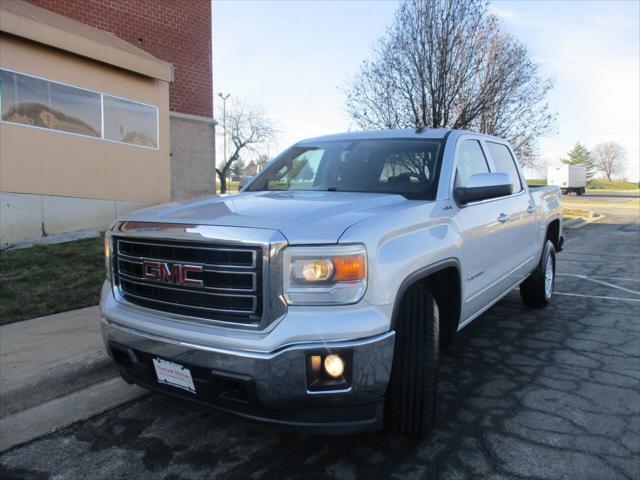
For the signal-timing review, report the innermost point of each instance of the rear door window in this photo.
(505, 163)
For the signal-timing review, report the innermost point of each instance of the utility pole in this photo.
(224, 123)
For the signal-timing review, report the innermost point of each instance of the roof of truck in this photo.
(436, 133)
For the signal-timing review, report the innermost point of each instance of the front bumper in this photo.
(270, 387)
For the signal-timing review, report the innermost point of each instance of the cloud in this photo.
(591, 50)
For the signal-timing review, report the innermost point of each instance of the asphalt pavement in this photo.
(604, 199)
(527, 394)
(608, 194)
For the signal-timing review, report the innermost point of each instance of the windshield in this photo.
(408, 167)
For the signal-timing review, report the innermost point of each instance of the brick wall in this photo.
(176, 31)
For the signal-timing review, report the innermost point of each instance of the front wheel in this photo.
(410, 404)
(536, 291)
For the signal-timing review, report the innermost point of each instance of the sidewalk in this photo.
(54, 372)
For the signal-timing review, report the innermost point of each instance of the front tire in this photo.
(537, 290)
(410, 405)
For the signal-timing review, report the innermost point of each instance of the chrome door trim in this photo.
(494, 301)
(485, 308)
(501, 279)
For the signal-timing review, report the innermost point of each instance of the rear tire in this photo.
(537, 290)
(410, 405)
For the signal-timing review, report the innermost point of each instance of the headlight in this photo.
(107, 253)
(331, 275)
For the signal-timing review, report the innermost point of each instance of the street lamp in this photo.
(224, 123)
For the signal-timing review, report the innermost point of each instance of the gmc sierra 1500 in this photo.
(319, 296)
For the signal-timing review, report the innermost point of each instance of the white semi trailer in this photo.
(570, 178)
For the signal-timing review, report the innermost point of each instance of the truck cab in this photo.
(317, 298)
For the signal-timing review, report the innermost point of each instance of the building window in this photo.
(130, 122)
(36, 102)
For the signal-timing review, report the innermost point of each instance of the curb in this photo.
(574, 223)
(56, 414)
(77, 374)
(54, 372)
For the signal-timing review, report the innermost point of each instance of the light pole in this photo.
(224, 123)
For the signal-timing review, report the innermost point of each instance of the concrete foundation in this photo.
(25, 217)
(192, 156)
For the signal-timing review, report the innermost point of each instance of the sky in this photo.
(294, 59)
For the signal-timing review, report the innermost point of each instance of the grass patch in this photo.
(232, 187)
(537, 182)
(600, 184)
(576, 212)
(47, 279)
(595, 184)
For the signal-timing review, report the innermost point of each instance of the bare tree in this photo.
(610, 159)
(448, 63)
(531, 164)
(247, 127)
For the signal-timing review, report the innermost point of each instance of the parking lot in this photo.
(546, 394)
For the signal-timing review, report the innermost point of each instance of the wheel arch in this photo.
(438, 278)
(553, 233)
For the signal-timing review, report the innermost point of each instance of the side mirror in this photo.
(482, 186)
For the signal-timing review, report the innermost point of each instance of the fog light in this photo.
(334, 365)
(316, 363)
(327, 371)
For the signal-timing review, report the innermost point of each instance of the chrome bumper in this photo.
(275, 382)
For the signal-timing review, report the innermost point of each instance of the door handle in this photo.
(531, 209)
(503, 218)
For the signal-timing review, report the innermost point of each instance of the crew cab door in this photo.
(520, 211)
(486, 237)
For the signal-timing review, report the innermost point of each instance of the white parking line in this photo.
(617, 279)
(594, 280)
(599, 254)
(598, 296)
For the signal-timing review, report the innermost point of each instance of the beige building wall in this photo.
(48, 162)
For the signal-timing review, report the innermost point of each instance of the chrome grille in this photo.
(229, 279)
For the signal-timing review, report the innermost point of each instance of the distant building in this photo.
(106, 106)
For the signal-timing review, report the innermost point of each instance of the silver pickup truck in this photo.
(319, 296)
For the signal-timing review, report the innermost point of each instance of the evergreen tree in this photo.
(579, 154)
(238, 167)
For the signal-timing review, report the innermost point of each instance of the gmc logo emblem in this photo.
(171, 273)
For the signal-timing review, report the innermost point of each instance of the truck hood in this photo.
(302, 217)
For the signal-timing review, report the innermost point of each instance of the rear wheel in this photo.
(536, 291)
(410, 405)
